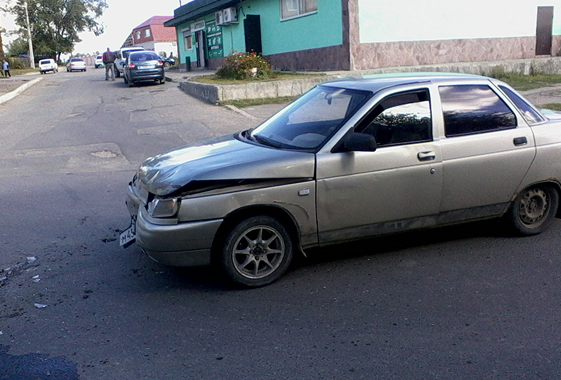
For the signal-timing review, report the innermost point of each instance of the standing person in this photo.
(7, 69)
(109, 61)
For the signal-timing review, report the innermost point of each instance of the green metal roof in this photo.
(198, 8)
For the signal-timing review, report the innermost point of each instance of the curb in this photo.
(215, 94)
(19, 90)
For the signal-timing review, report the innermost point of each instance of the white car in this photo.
(99, 61)
(122, 56)
(46, 65)
(76, 64)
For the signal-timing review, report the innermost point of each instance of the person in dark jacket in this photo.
(109, 61)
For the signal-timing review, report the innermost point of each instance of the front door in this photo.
(200, 38)
(395, 188)
(544, 30)
(252, 29)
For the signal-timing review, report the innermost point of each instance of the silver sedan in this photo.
(347, 160)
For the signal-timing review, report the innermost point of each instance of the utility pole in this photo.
(31, 56)
(1, 43)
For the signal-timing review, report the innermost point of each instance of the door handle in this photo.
(426, 156)
(520, 141)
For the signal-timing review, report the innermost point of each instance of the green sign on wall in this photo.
(214, 40)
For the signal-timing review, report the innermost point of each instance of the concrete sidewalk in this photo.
(13, 86)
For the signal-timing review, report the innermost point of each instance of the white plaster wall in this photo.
(414, 20)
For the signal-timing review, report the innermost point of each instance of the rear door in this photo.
(486, 151)
(394, 188)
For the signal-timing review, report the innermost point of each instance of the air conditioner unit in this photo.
(230, 15)
(219, 18)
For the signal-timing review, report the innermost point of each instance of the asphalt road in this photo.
(467, 302)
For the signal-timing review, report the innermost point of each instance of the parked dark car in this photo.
(143, 66)
(350, 159)
(168, 61)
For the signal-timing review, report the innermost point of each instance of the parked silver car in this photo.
(76, 64)
(347, 160)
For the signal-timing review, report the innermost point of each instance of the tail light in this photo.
(131, 66)
(160, 64)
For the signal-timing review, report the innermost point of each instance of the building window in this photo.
(296, 8)
(187, 39)
(147, 33)
(138, 34)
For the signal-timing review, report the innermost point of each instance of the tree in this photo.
(55, 24)
(17, 47)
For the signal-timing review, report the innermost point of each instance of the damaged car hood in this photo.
(227, 159)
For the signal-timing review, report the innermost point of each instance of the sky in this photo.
(119, 20)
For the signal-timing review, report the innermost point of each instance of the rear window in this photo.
(44, 62)
(144, 56)
(76, 59)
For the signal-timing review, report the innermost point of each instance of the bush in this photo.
(244, 66)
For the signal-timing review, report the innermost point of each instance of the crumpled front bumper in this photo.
(170, 242)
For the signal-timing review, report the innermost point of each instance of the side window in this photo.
(472, 109)
(400, 119)
(530, 114)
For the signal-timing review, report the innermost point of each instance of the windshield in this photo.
(311, 119)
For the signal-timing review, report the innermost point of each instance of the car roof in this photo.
(376, 82)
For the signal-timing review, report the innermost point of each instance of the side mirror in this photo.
(123, 64)
(357, 142)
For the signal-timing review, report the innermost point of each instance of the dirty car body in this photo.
(143, 66)
(350, 159)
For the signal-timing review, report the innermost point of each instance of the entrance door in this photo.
(200, 38)
(252, 29)
(544, 30)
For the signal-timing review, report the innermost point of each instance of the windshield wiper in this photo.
(267, 141)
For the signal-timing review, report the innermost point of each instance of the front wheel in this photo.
(534, 209)
(257, 251)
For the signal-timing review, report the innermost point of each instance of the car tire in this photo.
(117, 73)
(162, 81)
(167, 64)
(256, 251)
(533, 209)
(125, 79)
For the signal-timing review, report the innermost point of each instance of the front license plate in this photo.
(128, 236)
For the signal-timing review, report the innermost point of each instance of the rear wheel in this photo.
(257, 251)
(534, 209)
